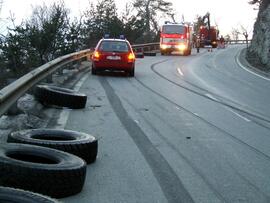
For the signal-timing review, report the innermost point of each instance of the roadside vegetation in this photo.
(50, 32)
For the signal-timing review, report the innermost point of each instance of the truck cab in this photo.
(175, 37)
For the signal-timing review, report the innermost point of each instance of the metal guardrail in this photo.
(155, 46)
(239, 41)
(11, 93)
(146, 47)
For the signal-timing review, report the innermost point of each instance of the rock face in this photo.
(258, 53)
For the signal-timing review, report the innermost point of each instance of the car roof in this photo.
(113, 40)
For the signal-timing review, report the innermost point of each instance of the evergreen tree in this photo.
(148, 11)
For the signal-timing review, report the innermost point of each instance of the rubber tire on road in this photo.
(18, 196)
(131, 73)
(80, 144)
(93, 71)
(52, 95)
(42, 170)
(187, 52)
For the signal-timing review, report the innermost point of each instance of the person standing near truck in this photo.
(221, 44)
(198, 43)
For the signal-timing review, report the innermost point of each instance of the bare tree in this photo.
(235, 33)
(245, 33)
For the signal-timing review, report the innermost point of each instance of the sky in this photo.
(226, 14)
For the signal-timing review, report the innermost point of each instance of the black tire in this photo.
(80, 144)
(187, 52)
(42, 170)
(18, 196)
(52, 95)
(94, 71)
(162, 52)
(131, 73)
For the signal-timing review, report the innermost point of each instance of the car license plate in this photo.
(114, 57)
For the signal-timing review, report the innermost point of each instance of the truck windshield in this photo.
(173, 29)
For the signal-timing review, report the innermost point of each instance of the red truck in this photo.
(175, 37)
(208, 36)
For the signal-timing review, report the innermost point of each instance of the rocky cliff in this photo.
(258, 53)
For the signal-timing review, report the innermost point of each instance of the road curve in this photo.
(185, 129)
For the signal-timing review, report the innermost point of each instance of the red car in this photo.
(114, 55)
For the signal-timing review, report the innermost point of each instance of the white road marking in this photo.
(180, 71)
(244, 118)
(246, 69)
(63, 117)
(80, 83)
(136, 121)
(211, 97)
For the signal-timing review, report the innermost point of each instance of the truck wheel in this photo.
(80, 144)
(42, 170)
(18, 196)
(52, 95)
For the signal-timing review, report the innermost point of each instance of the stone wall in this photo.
(259, 51)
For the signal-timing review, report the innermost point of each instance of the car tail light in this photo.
(96, 56)
(131, 57)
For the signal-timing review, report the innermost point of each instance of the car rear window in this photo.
(113, 46)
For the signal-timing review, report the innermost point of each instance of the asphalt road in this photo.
(185, 129)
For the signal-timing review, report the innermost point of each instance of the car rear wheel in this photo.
(93, 71)
(131, 73)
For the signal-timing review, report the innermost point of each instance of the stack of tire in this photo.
(51, 162)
